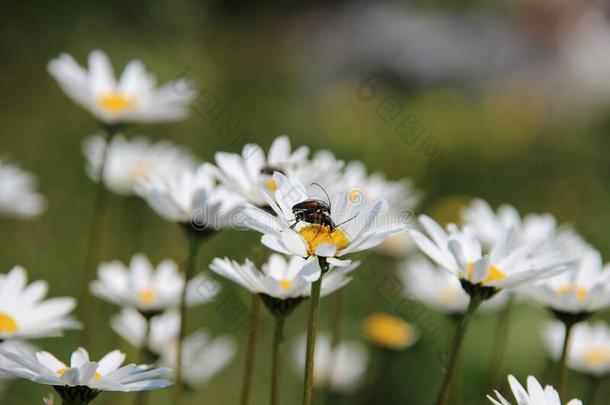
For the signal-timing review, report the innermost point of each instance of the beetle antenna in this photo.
(347, 220)
(327, 196)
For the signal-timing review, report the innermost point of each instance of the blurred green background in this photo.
(507, 136)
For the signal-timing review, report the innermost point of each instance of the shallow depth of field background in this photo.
(516, 93)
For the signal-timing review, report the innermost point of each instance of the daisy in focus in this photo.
(533, 395)
(581, 291)
(129, 162)
(439, 289)
(24, 314)
(203, 356)
(389, 332)
(589, 346)
(504, 266)
(134, 98)
(84, 379)
(18, 197)
(150, 290)
(330, 231)
(192, 198)
(339, 369)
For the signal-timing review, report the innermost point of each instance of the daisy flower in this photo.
(582, 290)
(534, 395)
(247, 173)
(192, 198)
(589, 346)
(439, 289)
(340, 369)
(357, 227)
(401, 196)
(389, 331)
(280, 277)
(18, 197)
(150, 290)
(129, 162)
(134, 98)
(506, 266)
(203, 357)
(84, 379)
(23, 312)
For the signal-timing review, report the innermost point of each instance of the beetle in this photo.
(316, 211)
(313, 211)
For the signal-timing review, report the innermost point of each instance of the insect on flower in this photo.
(315, 211)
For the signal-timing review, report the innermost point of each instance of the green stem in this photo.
(563, 369)
(255, 316)
(594, 384)
(191, 263)
(336, 317)
(312, 330)
(278, 340)
(94, 242)
(501, 342)
(443, 394)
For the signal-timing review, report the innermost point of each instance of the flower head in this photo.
(24, 313)
(439, 289)
(133, 98)
(192, 197)
(389, 331)
(147, 289)
(280, 277)
(534, 395)
(130, 162)
(589, 346)
(347, 227)
(583, 289)
(504, 266)
(17, 195)
(340, 368)
(83, 377)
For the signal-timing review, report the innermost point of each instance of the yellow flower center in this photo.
(147, 296)
(115, 102)
(7, 323)
(493, 273)
(285, 283)
(139, 171)
(271, 185)
(63, 370)
(581, 292)
(316, 235)
(597, 355)
(388, 331)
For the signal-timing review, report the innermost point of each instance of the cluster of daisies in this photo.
(314, 212)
